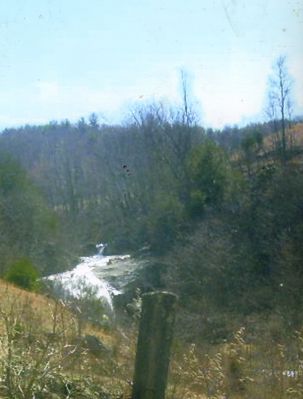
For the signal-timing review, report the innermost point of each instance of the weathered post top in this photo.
(153, 348)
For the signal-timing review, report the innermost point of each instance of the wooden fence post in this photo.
(153, 348)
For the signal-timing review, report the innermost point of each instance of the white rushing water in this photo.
(106, 276)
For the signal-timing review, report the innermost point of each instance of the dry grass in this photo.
(271, 145)
(243, 368)
(41, 351)
(294, 137)
(42, 309)
(297, 133)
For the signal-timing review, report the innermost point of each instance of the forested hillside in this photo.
(220, 210)
(114, 183)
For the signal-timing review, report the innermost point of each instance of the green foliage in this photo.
(209, 172)
(23, 274)
(29, 228)
(197, 202)
(12, 176)
(165, 223)
(252, 142)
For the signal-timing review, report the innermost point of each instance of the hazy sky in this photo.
(67, 58)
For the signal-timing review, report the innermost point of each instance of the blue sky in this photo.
(67, 58)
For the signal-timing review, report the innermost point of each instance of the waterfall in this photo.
(74, 283)
(105, 276)
(101, 247)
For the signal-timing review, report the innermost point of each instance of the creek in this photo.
(106, 276)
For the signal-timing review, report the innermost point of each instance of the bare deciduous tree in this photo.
(279, 99)
(189, 115)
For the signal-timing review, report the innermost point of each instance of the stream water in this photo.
(105, 276)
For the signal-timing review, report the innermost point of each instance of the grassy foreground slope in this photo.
(48, 353)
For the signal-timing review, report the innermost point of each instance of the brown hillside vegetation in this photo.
(43, 309)
(45, 353)
(294, 136)
(297, 131)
